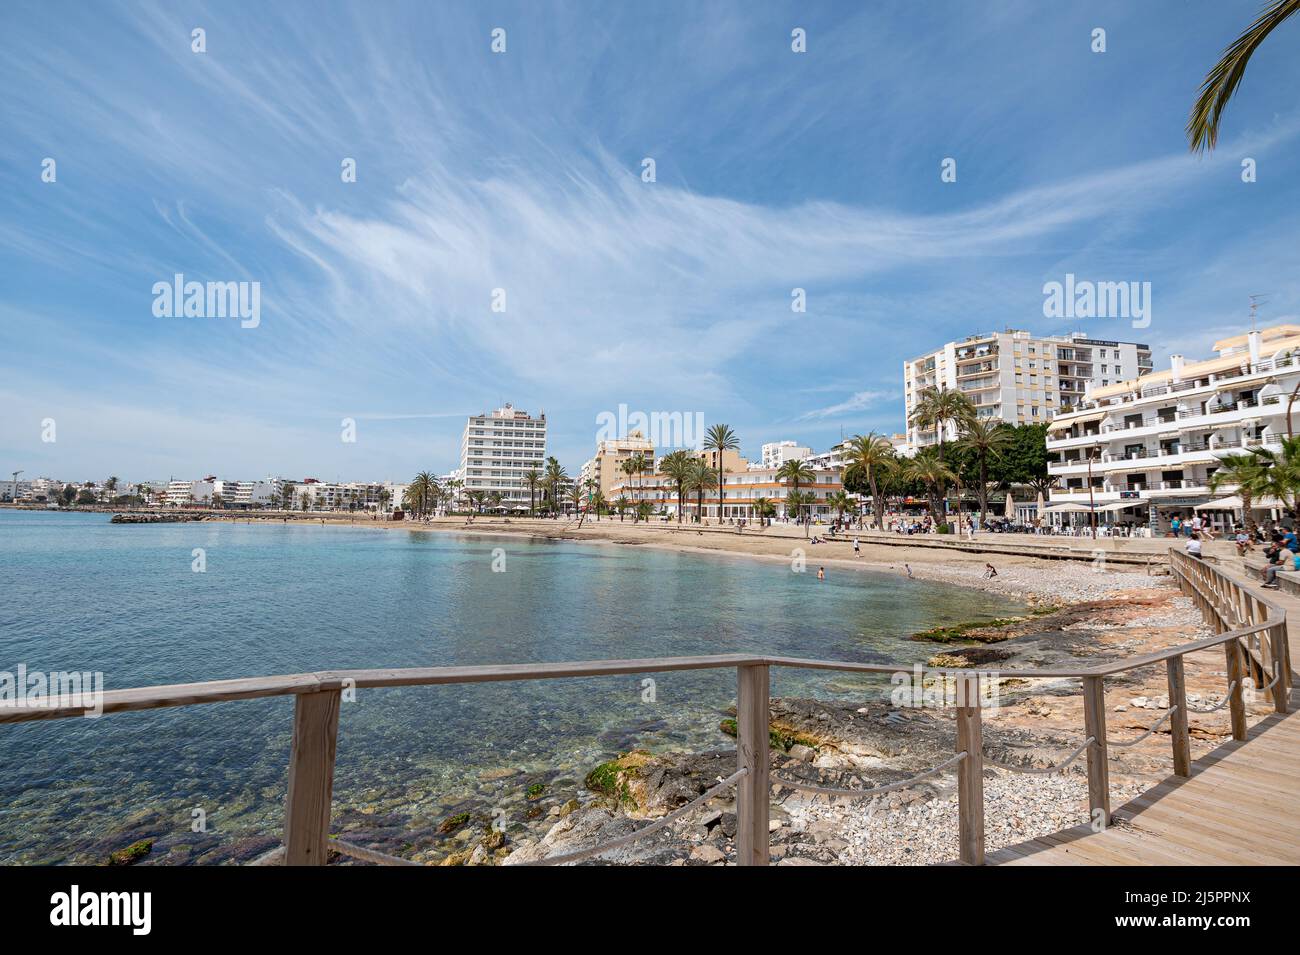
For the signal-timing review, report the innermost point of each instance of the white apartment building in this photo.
(248, 493)
(313, 495)
(1148, 445)
(776, 453)
(181, 493)
(1018, 377)
(498, 448)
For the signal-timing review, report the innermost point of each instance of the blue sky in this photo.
(522, 171)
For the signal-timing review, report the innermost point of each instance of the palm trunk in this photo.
(984, 489)
(877, 505)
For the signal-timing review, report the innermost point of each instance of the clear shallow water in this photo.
(77, 593)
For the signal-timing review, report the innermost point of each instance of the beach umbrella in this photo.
(1010, 511)
(1041, 505)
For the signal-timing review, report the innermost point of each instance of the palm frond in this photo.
(1222, 81)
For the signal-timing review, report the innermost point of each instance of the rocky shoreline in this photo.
(859, 745)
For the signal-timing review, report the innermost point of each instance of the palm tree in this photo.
(420, 492)
(494, 499)
(555, 478)
(763, 509)
(936, 408)
(1280, 473)
(703, 478)
(871, 456)
(1222, 81)
(1248, 474)
(795, 502)
(621, 504)
(679, 467)
(721, 438)
(110, 487)
(795, 472)
(643, 510)
(984, 438)
(842, 503)
(925, 466)
(532, 478)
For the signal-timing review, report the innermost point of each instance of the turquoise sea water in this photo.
(77, 593)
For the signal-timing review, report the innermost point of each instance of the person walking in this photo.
(857, 551)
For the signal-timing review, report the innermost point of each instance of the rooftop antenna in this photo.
(1255, 302)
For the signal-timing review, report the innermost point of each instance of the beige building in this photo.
(1017, 377)
(606, 467)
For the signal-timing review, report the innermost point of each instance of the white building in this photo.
(1143, 449)
(243, 494)
(776, 453)
(1018, 377)
(497, 449)
(182, 493)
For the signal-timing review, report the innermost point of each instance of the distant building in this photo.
(496, 451)
(1017, 377)
(605, 468)
(776, 453)
(183, 493)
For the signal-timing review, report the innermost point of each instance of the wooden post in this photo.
(970, 771)
(1178, 734)
(753, 799)
(1236, 678)
(1094, 725)
(311, 777)
(1277, 650)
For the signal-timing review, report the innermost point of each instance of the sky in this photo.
(523, 171)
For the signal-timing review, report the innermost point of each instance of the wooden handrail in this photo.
(1231, 609)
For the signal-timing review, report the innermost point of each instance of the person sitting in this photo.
(1193, 545)
(1274, 556)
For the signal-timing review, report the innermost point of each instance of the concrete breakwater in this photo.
(157, 518)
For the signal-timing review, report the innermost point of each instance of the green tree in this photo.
(703, 478)
(985, 439)
(719, 439)
(679, 468)
(532, 480)
(926, 468)
(869, 457)
(1248, 473)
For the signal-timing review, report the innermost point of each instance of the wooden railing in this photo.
(1251, 630)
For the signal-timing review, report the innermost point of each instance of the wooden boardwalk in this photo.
(1241, 806)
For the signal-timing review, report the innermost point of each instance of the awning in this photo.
(1234, 503)
(1061, 424)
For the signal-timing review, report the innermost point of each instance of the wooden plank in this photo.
(311, 777)
(970, 772)
(753, 796)
(1094, 725)
(1236, 675)
(1178, 735)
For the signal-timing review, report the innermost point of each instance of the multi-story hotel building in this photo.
(1148, 446)
(605, 468)
(1018, 377)
(497, 449)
